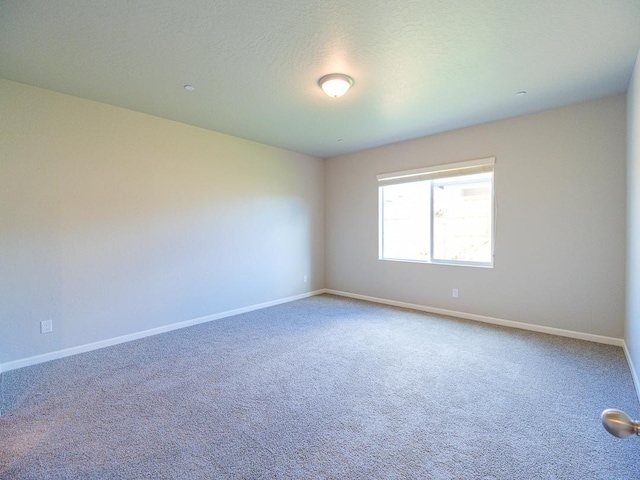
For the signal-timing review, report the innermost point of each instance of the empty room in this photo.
(362, 240)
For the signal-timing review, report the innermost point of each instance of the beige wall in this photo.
(632, 334)
(560, 229)
(113, 222)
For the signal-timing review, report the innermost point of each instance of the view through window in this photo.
(438, 214)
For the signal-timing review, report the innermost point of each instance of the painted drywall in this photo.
(560, 227)
(114, 222)
(632, 331)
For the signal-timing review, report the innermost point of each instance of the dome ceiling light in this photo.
(335, 84)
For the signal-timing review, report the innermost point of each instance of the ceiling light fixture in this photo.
(189, 88)
(335, 84)
(521, 94)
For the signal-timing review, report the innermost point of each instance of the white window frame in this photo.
(434, 172)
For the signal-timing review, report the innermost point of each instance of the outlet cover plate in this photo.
(46, 326)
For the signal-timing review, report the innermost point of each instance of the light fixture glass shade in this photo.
(335, 84)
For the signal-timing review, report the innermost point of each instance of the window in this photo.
(442, 214)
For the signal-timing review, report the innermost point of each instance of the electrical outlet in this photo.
(46, 326)
(454, 292)
(305, 279)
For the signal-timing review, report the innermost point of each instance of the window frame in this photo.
(434, 173)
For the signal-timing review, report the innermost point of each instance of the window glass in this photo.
(462, 219)
(406, 221)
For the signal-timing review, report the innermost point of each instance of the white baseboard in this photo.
(481, 318)
(634, 373)
(25, 362)
(618, 342)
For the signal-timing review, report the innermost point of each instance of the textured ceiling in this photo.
(420, 66)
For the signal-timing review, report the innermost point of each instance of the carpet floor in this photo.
(323, 388)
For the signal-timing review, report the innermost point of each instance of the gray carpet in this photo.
(323, 388)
